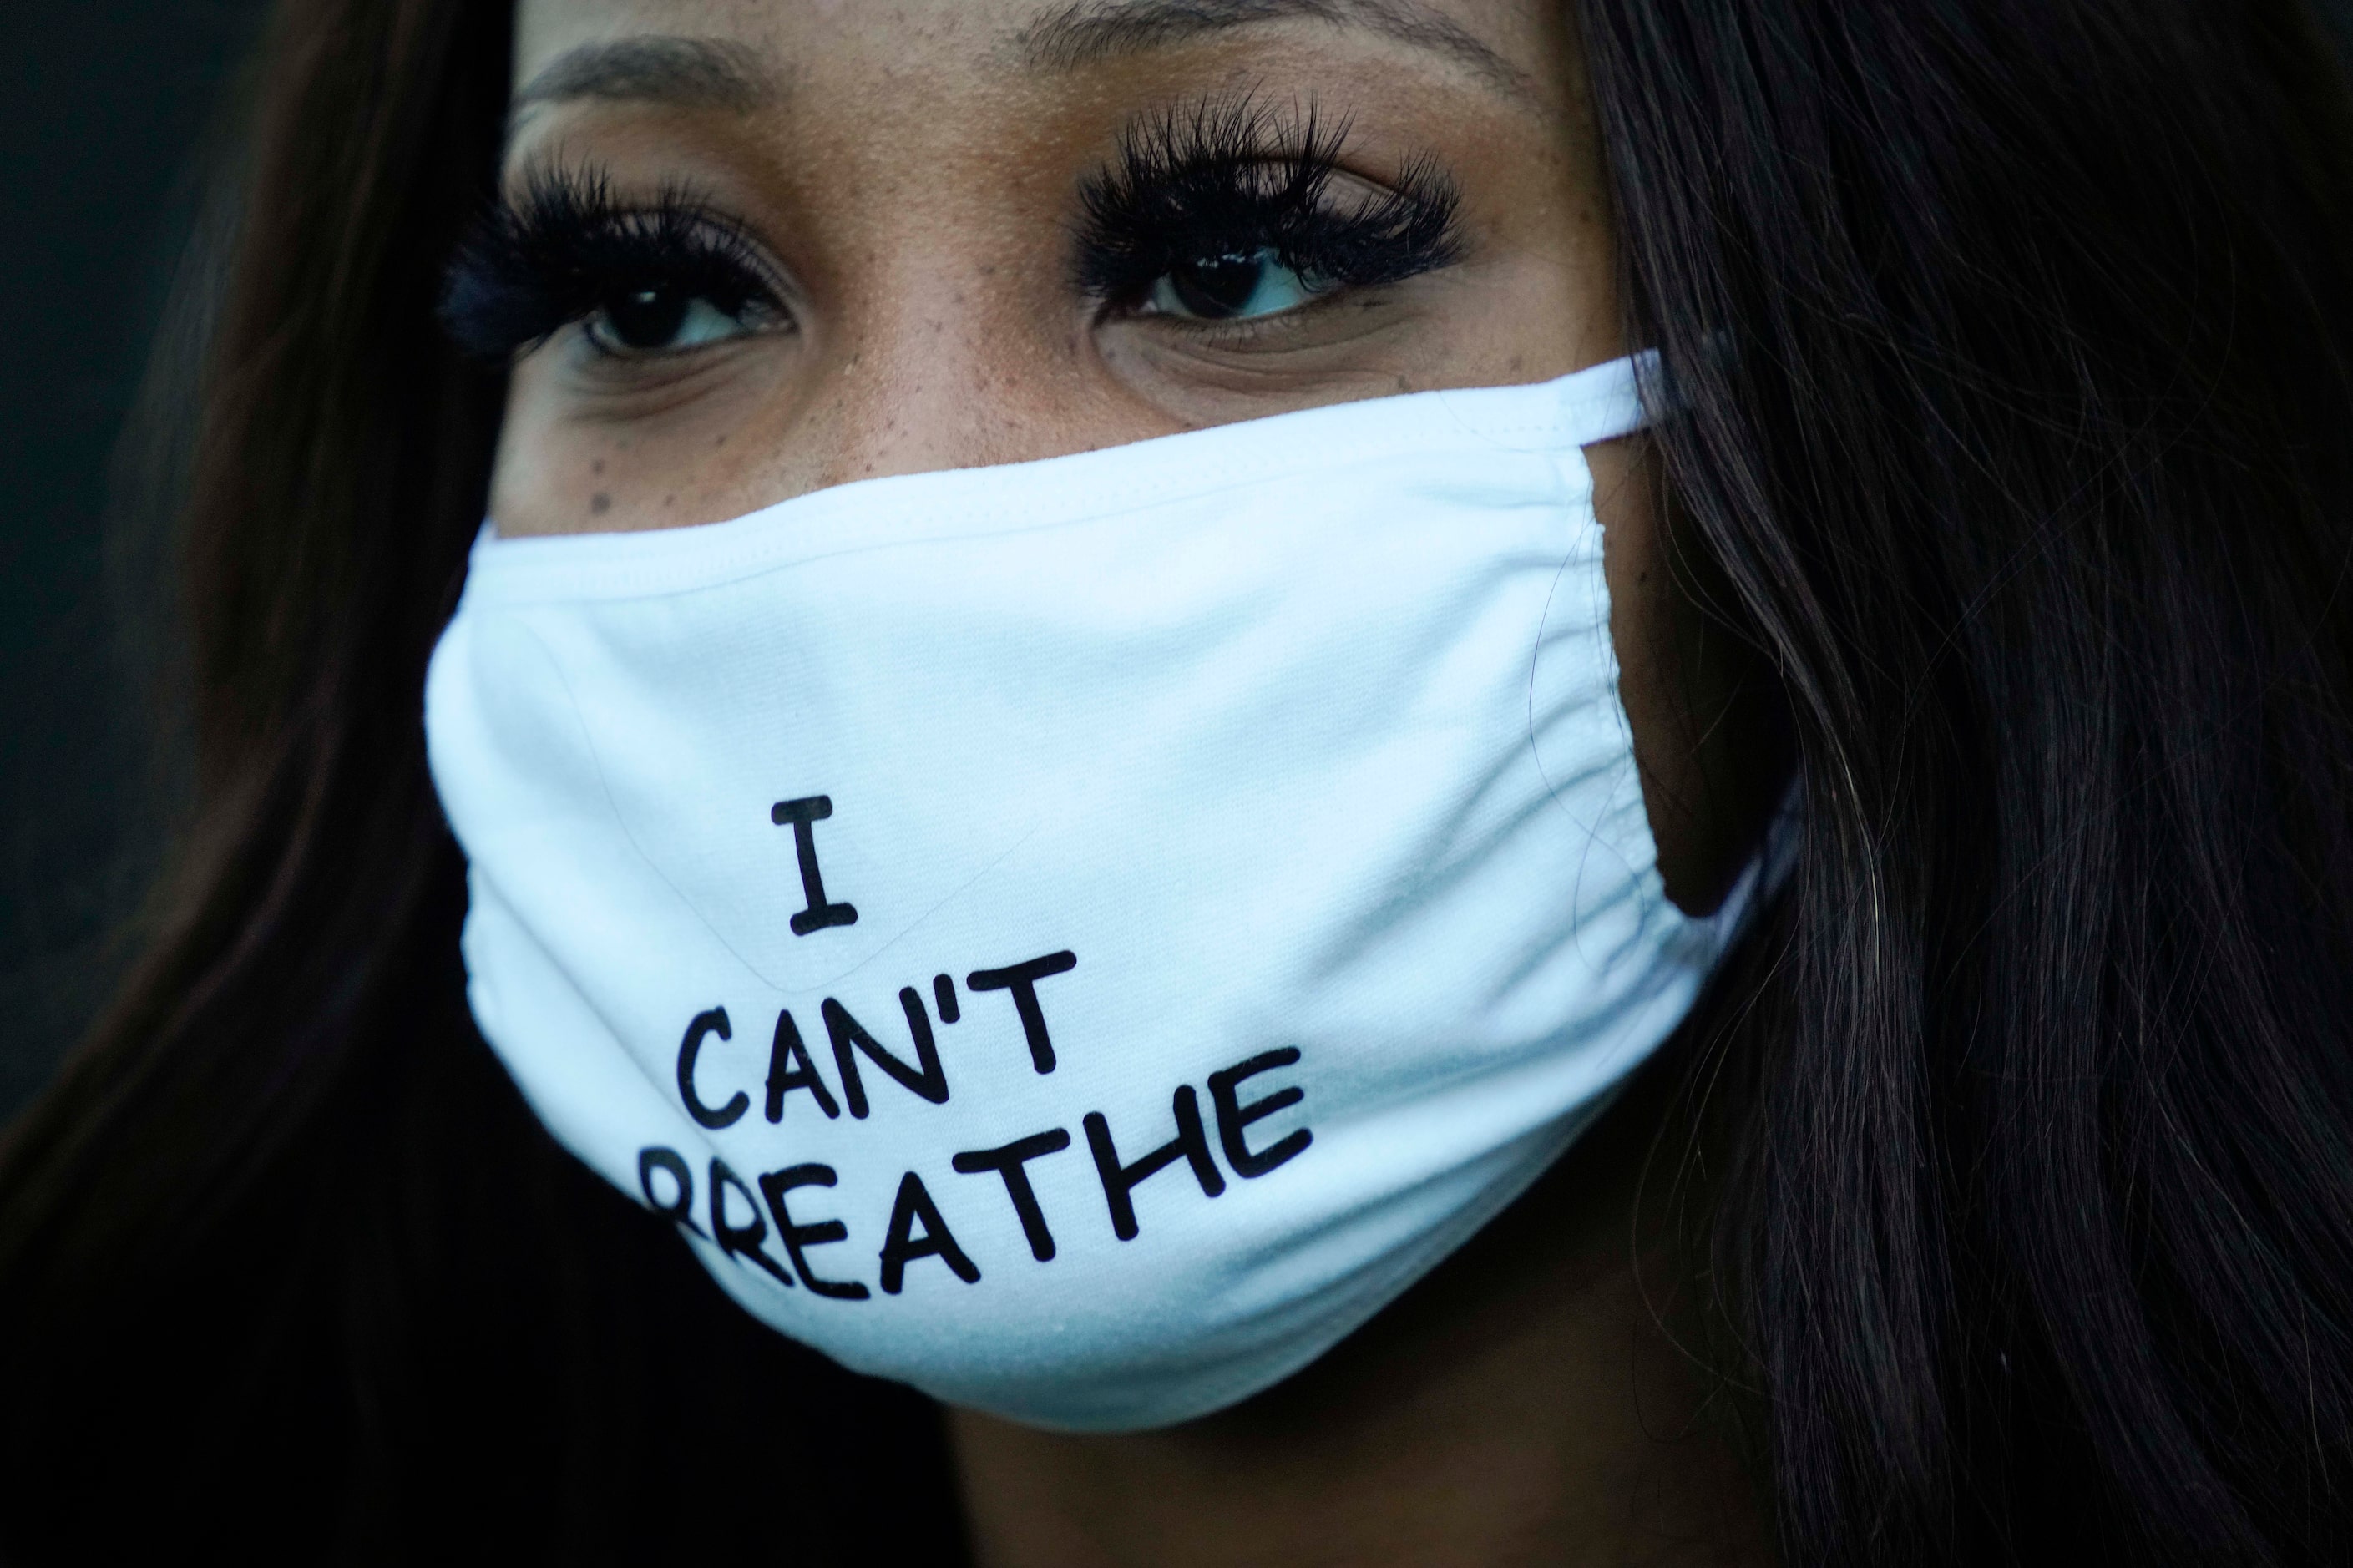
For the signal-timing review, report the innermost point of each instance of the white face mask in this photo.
(1079, 937)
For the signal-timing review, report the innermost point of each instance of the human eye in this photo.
(1237, 213)
(1236, 285)
(661, 278)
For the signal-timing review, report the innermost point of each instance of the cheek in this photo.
(1703, 703)
(1540, 296)
(1535, 313)
(700, 450)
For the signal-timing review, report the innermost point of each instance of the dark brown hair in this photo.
(287, 1269)
(2011, 346)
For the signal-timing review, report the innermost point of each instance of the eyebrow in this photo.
(1087, 31)
(679, 72)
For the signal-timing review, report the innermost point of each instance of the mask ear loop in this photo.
(1604, 402)
(1769, 869)
(1618, 398)
(1600, 403)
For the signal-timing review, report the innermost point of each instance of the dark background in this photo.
(107, 109)
(112, 109)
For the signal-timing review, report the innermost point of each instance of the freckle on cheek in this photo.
(600, 504)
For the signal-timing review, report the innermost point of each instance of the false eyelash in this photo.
(566, 246)
(1238, 178)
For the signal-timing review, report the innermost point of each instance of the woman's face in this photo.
(779, 246)
(831, 239)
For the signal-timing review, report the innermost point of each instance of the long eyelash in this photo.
(1238, 178)
(566, 246)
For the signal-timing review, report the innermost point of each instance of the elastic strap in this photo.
(1603, 402)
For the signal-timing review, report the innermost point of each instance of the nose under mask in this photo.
(1078, 937)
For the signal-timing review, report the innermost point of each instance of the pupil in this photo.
(1218, 286)
(646, 318)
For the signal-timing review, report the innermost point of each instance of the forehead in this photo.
(764, 47)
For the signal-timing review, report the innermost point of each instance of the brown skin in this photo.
(907, 169)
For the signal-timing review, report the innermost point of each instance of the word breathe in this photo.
(739, 1212)
(738, 1215)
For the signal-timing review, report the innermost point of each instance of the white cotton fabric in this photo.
(1295, 735)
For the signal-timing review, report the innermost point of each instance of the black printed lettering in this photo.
(789, 1068)
(1011, 1162)
(1234, 1118)
(928, 1079)
(902, 1246)
(1119, 1182)
(798, 1237)
(689, 1050)
(679, 1210)
(804, 815)
(943, 993)
(740, 1240)
(1021, 979)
